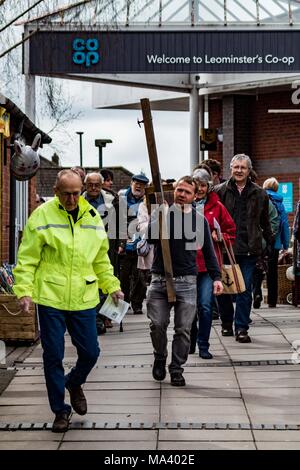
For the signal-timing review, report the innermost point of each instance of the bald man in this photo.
(62, 262)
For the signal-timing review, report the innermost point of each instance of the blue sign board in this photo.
(286, 191)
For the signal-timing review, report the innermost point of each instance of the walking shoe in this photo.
(159, 369)
(138, 312)
(227, 330)
(78, 400)
(61, 422)
(242, 337)
(177, 379)
(204, 354)
(256, 301)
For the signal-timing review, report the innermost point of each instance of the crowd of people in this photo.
(89, 242)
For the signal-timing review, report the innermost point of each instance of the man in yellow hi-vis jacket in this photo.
(62, 262)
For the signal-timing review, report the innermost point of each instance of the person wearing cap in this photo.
(221, 226)
(133, 280)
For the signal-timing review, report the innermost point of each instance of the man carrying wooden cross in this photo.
(187, 231)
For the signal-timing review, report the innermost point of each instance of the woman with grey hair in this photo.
(222, 227)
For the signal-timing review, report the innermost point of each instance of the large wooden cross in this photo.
(159, 195)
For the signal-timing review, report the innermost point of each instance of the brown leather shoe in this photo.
(242, 337)
(78, 400)
(61, 422)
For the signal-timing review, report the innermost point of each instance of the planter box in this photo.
(16, 326)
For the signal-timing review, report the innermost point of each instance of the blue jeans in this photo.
(81, 326)
(205, 304)
(243, 301)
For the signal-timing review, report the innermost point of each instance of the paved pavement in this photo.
(246, 397)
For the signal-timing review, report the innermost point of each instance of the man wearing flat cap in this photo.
(132, 279)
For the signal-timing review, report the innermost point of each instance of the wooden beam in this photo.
(156, 179)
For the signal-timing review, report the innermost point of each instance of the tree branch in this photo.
(20, 15)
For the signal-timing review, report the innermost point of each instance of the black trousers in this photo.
(133, 280)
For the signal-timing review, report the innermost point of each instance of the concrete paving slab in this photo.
(172, 445)
(201, 402)
(268, 383)
(125, 445)
(210, 394)
(34, 410)
(38, 379)
(30, 445)
(271, 396)
(278, 446)
(118, 386)
(277, 436)
(274, 418)
(14, 394)
(123, 417)
(110, 435)
(122, 395)
(205, 435)
(14, 436)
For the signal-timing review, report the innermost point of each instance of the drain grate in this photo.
(270, 362)
(100, 425)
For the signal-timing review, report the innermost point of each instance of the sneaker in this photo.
(61, 422)
(159, 369)
(227, 330)
(177, 379)
(78, 400)
(256, 301)
(242, 337)
(204, 354)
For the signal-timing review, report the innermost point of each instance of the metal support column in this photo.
(194, 127)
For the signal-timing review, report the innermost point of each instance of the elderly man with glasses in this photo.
(62, 262)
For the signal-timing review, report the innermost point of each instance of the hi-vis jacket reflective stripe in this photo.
(62, 264)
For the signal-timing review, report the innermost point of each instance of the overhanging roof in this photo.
(28, 125)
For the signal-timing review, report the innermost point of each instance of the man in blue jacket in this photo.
(133, 282)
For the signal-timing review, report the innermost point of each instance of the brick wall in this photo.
(5, 205)
(46, 176)
(271, 140)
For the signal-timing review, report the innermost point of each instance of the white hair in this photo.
(94, 173)
(239, 157)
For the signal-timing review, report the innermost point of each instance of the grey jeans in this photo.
(158, 311)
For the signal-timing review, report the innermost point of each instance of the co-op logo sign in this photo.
(85, 51)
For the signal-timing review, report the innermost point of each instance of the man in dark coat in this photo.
(248, 205)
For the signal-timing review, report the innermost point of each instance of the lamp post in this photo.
(80, 145)
(100, 143)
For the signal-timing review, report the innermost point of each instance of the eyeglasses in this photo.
(94, 185)
(74, 194)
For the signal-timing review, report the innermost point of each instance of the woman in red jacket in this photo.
(221, 226)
